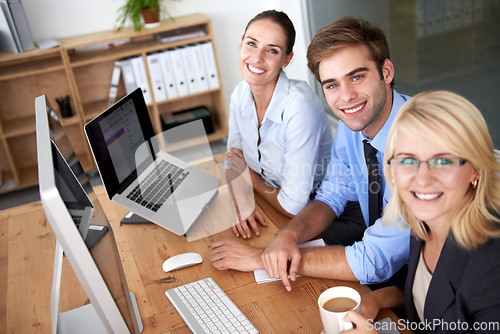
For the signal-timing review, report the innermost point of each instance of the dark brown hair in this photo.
(282, 20)
(346, 32)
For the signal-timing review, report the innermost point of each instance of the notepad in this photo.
(262, 277)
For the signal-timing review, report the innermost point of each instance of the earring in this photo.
(393, 181)
(474, 183)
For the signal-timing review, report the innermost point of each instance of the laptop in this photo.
(137, 176)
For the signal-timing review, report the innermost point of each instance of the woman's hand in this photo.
(253, 220)
(363, 325)
(242, 191)
(236, 160)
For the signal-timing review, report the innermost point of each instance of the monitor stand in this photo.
(84, 319)
(94, 234)
(132, 218)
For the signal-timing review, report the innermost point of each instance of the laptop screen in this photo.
(114, 137)
(122, 134)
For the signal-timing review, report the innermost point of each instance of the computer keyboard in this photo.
(206, 308)
(158, 185)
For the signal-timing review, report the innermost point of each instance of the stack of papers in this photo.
(262, 277)
(48, 43)
(180, 34)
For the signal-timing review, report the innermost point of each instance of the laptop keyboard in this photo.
(158, 185)
(206, 308)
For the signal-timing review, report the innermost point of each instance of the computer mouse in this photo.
(182, 260)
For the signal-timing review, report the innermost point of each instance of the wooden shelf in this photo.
(191, 96)
(19, 126)
(69, 121)
(6, 179)
(126, 50)
(12, 70)
(128, 32)
(9, 57)
(82, 68)
(28, 176)
(5, 165)
(91, 110)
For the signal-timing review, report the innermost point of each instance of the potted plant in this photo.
(133, 10)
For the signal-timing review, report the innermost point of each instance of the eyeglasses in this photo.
(410, 165)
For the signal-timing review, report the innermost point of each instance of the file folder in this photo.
(421, 24)
(210, 65)
(199, 67)
(180, 76)
(115, 79)
(128, 75)
(22, 27)
(141, 78)
(189, 70)
(466, 12)
(167, 72)
(7, 39)
(447, 15)
(159, 91)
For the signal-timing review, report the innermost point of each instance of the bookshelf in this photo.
(82, 68)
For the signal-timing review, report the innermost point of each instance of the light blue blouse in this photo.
(295, 139)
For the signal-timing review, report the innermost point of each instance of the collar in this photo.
(379, 141)
(279, 99)
(274, 111)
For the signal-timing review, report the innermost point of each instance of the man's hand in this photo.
(369, 305)
(374, 301)
(243, 229)
(276, 256)
(232, 254)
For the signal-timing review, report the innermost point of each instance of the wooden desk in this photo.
(26, 262)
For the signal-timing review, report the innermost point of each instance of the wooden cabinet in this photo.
(82, 68)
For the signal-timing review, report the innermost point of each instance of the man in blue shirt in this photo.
(350, 58)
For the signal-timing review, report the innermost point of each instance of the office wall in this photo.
(63, 18)
(435, 44)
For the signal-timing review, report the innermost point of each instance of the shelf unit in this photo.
(82, 68)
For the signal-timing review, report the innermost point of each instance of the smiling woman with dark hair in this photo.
(277, 126)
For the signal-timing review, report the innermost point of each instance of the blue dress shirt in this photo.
(384, 248)
(295, 139)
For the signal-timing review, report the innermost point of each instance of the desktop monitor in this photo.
(83, 235)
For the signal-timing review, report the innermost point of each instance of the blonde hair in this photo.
(451, 122)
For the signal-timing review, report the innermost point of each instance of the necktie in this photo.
(374, 177)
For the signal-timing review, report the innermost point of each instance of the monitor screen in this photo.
(81, 228)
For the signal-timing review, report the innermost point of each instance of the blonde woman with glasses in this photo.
(444, 176)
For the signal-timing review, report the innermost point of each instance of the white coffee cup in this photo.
(333, 321)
